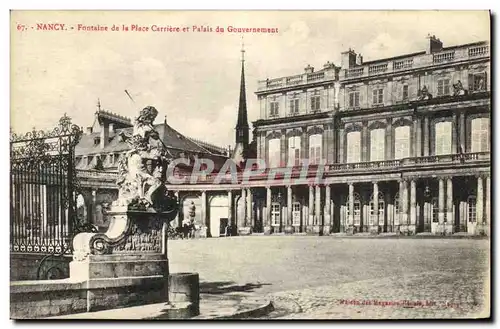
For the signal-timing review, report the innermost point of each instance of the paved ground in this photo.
(326, 277)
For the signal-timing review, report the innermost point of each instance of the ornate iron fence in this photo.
(43, 190)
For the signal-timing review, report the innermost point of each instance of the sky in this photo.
(193, 78)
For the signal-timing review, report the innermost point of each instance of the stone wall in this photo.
(25, 266)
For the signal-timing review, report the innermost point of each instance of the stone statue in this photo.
(423, 94)
(458, 89)
(141, 171)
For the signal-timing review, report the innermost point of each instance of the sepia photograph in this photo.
(250, 165)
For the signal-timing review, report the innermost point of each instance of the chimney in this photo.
(89, 130)
(348, 59)
(104, 134)
(359, 60)
(434, 44)
(309, 69)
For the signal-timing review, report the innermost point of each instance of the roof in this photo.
(170, 137)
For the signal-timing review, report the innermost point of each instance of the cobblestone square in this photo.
(342, 278)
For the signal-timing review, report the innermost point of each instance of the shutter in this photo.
(485, 82)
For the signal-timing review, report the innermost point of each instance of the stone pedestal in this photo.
(373, 229)
(128, 264)
(244, 230)
(202, 233)
(267, 230)
(288, 229)
(448, 229)
(412, 229)
(326, 230)
(316, 230)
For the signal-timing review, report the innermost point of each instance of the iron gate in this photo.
(43, 190)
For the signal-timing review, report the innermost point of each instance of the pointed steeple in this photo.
(242, 126)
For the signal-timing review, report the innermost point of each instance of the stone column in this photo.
(230, 220)
(267, 218)
(404, 208)
(350, 219)
(479, 206)
(426, 136)
(374, 219)
(412, 228)
(327, 211)
(340, 156)
(441, 205)
(249, 213)
(454, 124)
(317, 210)
(487, 206)
(398, 221)
(450, 221)
(418, 139)
(203, 229)
(310, 209)
(462, 131)
(288, 226)
(244, 227)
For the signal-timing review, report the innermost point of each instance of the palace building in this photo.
(401, 146)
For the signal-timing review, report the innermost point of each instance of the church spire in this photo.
(242, 123)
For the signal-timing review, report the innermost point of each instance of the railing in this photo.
(273, 83)
(351, 73)
(479, 51)
(295, 172)
(443, 57)
(315, 76)
(379, 68)
(294, 80)
(418, 61)
(96, 174)
(403, 64)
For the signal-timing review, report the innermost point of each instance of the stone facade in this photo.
(403, 146)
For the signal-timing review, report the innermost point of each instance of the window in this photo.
(402, 142)
(405, 93)
(294, 106)
(480, 135)
(378, 96)
(296, 214)
(443, 87)
(443, 138)
(274, 153)
(435, 210)
(377, 145)
(315, 101)
(471, 209)
(274, 109)
(354, 99)
(354, 147)
(275, 214)
(478, 81)
(315, 149)
(357, 210)
(97, 140)
(294, 151)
